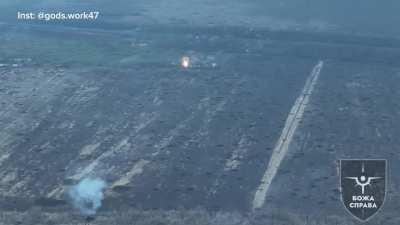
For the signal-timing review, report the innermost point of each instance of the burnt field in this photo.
(190, 145)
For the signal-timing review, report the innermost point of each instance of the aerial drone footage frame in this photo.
(199, 112)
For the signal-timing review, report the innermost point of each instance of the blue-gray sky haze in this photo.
(369, 17)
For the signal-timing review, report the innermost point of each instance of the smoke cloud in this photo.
(87, 195)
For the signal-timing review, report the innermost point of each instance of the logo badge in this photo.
(363, 186)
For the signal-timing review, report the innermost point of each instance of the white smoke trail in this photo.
(87, 195)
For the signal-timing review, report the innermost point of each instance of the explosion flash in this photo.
(185, 62)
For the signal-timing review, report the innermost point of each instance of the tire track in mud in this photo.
(282, 146)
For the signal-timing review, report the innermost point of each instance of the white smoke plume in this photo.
(87, 195)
